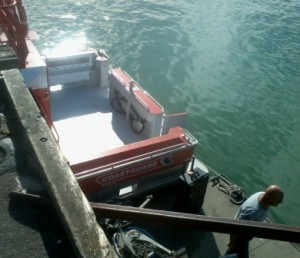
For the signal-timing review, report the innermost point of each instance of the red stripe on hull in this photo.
(134, 161)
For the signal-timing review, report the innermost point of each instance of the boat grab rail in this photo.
(146, 93)
(101, 53)
(3, 4)
(149, 96)
(144, 104)
(132, 92)
(130, 161)
(190, 138)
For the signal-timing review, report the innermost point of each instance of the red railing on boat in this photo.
(14, 28)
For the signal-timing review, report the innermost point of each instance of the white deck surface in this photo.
(86, 123)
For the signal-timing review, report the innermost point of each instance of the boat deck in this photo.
(86, 124)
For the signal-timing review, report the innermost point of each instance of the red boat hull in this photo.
(137, 163)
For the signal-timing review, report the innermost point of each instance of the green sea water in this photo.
(233, 65)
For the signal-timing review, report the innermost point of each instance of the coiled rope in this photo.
(236, 193)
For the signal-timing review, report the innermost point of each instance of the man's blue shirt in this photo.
(251, 209)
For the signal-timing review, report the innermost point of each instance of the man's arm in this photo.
(245, 214)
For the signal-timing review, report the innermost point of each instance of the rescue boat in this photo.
(116, 138)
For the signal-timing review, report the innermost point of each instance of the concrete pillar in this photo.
(77, 216)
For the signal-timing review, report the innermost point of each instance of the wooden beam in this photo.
(184, 220)
(200, 222)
